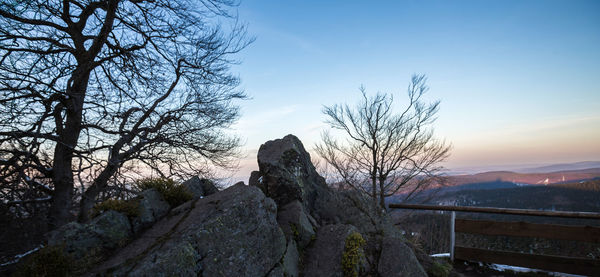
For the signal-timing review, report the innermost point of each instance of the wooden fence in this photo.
(582, 266)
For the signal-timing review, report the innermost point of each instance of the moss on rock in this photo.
(352, 254)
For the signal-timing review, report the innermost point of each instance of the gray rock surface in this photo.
(152, 207)
(276, 272)
(230, 233)
(93, 241)
(290, 260)
(324, 256)
(397, 259)
(295, 223)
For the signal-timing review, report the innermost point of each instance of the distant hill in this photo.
(561, 167)
(584, 196)
(576, 196)
(526, 178)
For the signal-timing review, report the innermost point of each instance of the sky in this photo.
(518, 81)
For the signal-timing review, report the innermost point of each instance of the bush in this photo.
(175, 194)
(127, 207)
(49, 261)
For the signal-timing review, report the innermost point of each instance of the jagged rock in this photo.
(324, 256)
(287, 174)
(295, 223)
(230, 233)
(91, 242)
(397, 259)
(152, 207)
(200, 187)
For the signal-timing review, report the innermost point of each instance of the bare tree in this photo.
(384, 152)
(91, 87)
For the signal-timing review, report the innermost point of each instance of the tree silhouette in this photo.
(384, 151)
(89, 88)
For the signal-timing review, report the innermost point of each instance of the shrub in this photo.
(440, 269)
(352, 254)
(127, 207)
(175, 194)
(49, 261)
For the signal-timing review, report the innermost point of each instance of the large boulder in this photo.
(230, 233)
(329, 254)
(398, 260)
(92, 242)
(286, 173)
(152, 207)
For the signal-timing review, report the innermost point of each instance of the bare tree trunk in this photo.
(374, 186)
(382, 193)
(88, 199)
(62, 170)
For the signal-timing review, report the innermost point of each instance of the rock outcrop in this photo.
(231, 233)
(287, 175)
(288, 222)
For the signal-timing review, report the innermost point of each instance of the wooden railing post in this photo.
(452, 235)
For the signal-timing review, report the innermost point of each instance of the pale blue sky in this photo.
(519, 81)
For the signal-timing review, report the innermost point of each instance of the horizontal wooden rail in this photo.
(520, 229)
(551, 263)
(585, 215)
(524, 229)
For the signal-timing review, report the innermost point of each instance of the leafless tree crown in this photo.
(89, 88)
(381, 152)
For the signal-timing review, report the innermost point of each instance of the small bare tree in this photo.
(91, 87)
(384, 152)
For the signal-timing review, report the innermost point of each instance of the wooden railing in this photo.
(564, 264)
